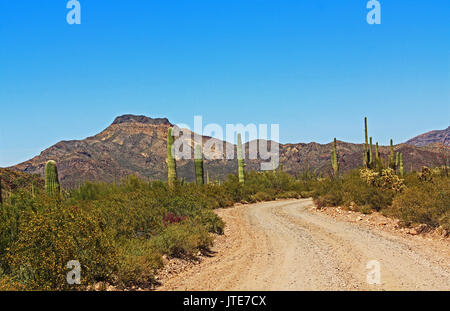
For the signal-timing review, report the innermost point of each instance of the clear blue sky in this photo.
(313, 66)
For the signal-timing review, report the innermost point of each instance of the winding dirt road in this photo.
(283, 245)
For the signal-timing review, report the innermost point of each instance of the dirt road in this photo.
(283, 245)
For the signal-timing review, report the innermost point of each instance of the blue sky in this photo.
(315, 67)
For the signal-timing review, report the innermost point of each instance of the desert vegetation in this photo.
(118, 232)
(121, 231)
(382, 185)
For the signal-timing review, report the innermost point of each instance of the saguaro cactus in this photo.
(198, 159)
(207, 178)
(378, 160)
(171, 163)
(366, 145)
(377, 153)
(334, 159)
(370, 154)
(52, 186)
(396, 160)
(392, 156)
(402, 171)
(240, 157)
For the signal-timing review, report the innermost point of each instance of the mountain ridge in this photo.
(134, 144)
(431, 137)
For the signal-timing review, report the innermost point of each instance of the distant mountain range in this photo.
(137, 145)
(432, 137)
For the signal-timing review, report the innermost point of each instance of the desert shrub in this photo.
(425, 175)
(386, 180)
(8, 284)
(359, 191)
(48, 240)
(261, 196)
(328, 192)
(365, 209)
(427, 202)
(307, 194)
(117, 232)
(288, 195)
(210, 221)
(216, 197)
(362, 189)
(183, 239)
(138, 262)
(256, 183)
(233, 188)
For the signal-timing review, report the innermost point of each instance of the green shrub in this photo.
(117, 232)
(210, 221)
(138, 263)
(288, 195)
(328, 192)
(426, 202)
(48, 240)
(361, 193)
(182, 240)
(261, 196)
(307, 194)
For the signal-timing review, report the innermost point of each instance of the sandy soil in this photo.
(286, 245)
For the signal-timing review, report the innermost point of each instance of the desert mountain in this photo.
(432, 137)
(137, 145)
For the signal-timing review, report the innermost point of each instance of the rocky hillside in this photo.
(137, 145)
(432, 137)
(13, 179)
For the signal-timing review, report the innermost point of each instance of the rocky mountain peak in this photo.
(129, 118)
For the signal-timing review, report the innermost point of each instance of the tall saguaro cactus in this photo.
(392, 156)
(334, 159)
(396, 160)
(377, 153)
(366, 145)
(240, 157)
(378, 160)
(402, 170)
(52, 186)
(171, 163)
(198, 159)
(370, 154)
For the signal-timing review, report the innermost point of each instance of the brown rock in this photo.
(413, 231)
